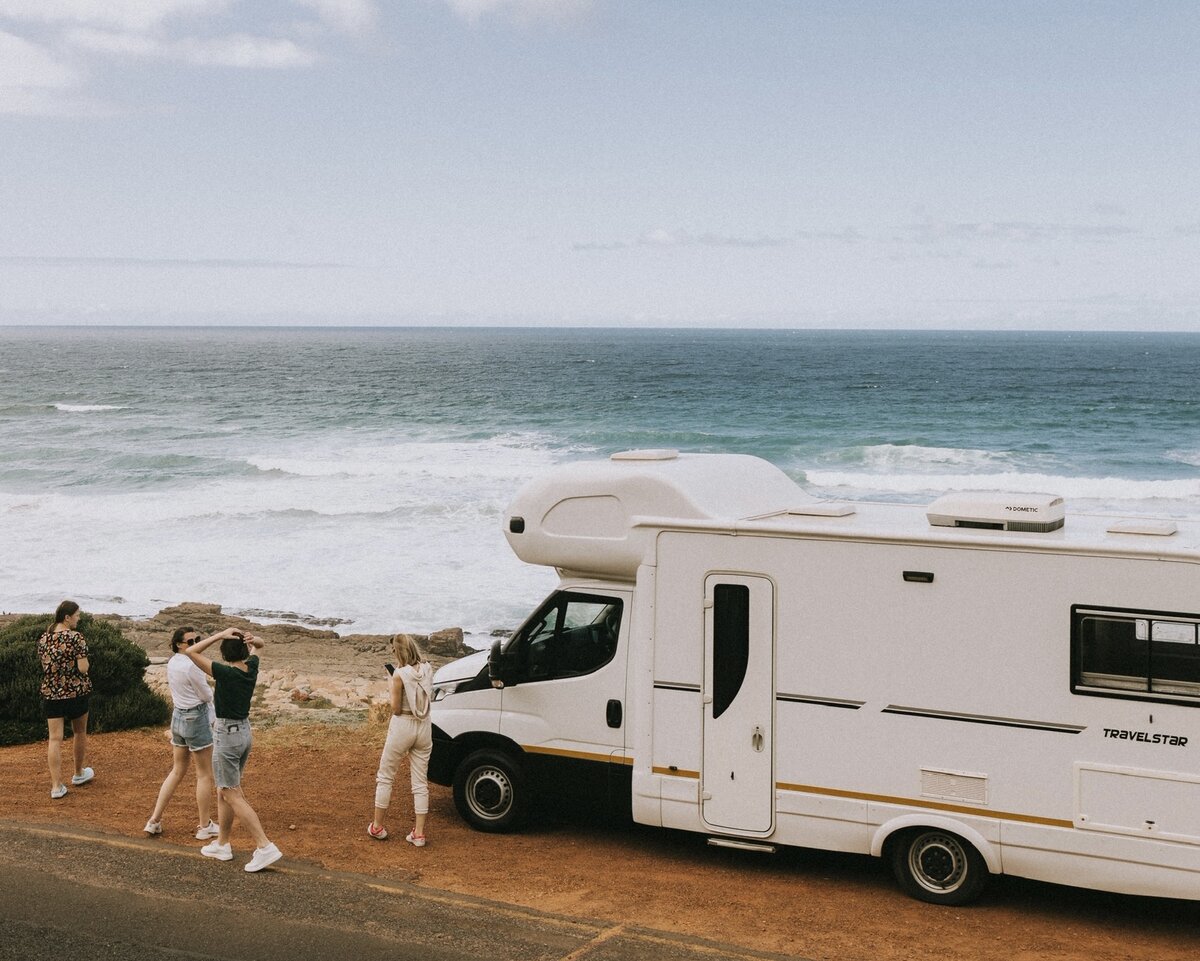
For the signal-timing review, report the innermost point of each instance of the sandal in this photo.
(378, 835)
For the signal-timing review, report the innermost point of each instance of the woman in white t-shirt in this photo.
(191, 735)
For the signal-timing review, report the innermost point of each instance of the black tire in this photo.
(938, 867)
(491, 791)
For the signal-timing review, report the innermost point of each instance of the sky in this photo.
(733, 163)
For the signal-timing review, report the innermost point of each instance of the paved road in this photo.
(68, 894)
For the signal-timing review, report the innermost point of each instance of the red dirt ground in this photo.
(313, 787)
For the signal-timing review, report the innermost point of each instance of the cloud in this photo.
(1019, 232)
(347, 16)
(33, 80)
(231, 263)
(47, 46)
(26, 65)
(138, 15)
(235, 50)
(519, 10)
(847, 235)
(660, 237)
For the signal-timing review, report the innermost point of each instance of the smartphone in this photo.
(391, 668)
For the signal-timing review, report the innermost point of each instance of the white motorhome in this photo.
(980, 686)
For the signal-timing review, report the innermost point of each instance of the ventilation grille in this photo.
(1036, 528)
(954, 785)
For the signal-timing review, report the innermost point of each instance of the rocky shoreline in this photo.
(305, 673)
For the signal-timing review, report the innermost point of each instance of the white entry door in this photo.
(737, 782)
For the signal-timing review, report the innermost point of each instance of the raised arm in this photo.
(196, 651)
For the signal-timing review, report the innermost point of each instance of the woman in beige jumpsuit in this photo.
(410, 731)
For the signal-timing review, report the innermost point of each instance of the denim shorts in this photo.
(231, 752)
(190, 728)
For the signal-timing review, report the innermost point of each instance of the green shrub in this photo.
(120, 698)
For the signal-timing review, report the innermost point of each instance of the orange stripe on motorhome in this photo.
(923, 803)
(578, 755)
(676, 772)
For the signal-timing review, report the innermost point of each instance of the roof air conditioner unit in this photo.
(998, 511)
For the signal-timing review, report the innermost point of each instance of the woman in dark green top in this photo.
(235, 680)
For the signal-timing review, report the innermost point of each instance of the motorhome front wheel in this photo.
(938, 867)
(490, 791)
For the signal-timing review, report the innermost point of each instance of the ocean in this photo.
(359, 477)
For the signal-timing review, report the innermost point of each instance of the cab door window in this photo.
(574, 634)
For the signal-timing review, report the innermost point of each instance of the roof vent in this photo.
(821, 509)
(998, 511)
(1163, 528)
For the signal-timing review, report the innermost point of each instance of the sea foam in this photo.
(364, 475)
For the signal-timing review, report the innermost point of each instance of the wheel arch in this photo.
(449, 752)
(887, 832)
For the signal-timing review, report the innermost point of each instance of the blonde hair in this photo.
(404, 647)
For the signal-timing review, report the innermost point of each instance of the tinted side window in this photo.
(1136, 654)
(1174, 658)
(731, 643)
(1112, 655)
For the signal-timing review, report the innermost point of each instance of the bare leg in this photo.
(224, 816)
(79, 740)
(419, 829)
(179, 768)
(234, 799)
(377, 820)
(54, 751)
(204, 785)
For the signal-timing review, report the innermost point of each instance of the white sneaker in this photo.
(60, 791)
(220, 852)
(87, 775)
(210, 830)
(264, 857)
(153, 827)
(416, 840)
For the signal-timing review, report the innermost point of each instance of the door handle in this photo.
(756, 739)
(612, 713)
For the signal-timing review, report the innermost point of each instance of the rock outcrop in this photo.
(304, 671)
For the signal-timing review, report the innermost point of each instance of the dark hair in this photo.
(177, 637)
(234, 649)
(65, 610)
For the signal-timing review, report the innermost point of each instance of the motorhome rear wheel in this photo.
(938, 867)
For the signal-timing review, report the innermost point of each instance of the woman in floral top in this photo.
(65, 688)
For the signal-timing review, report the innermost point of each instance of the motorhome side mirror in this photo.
(496, 673)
